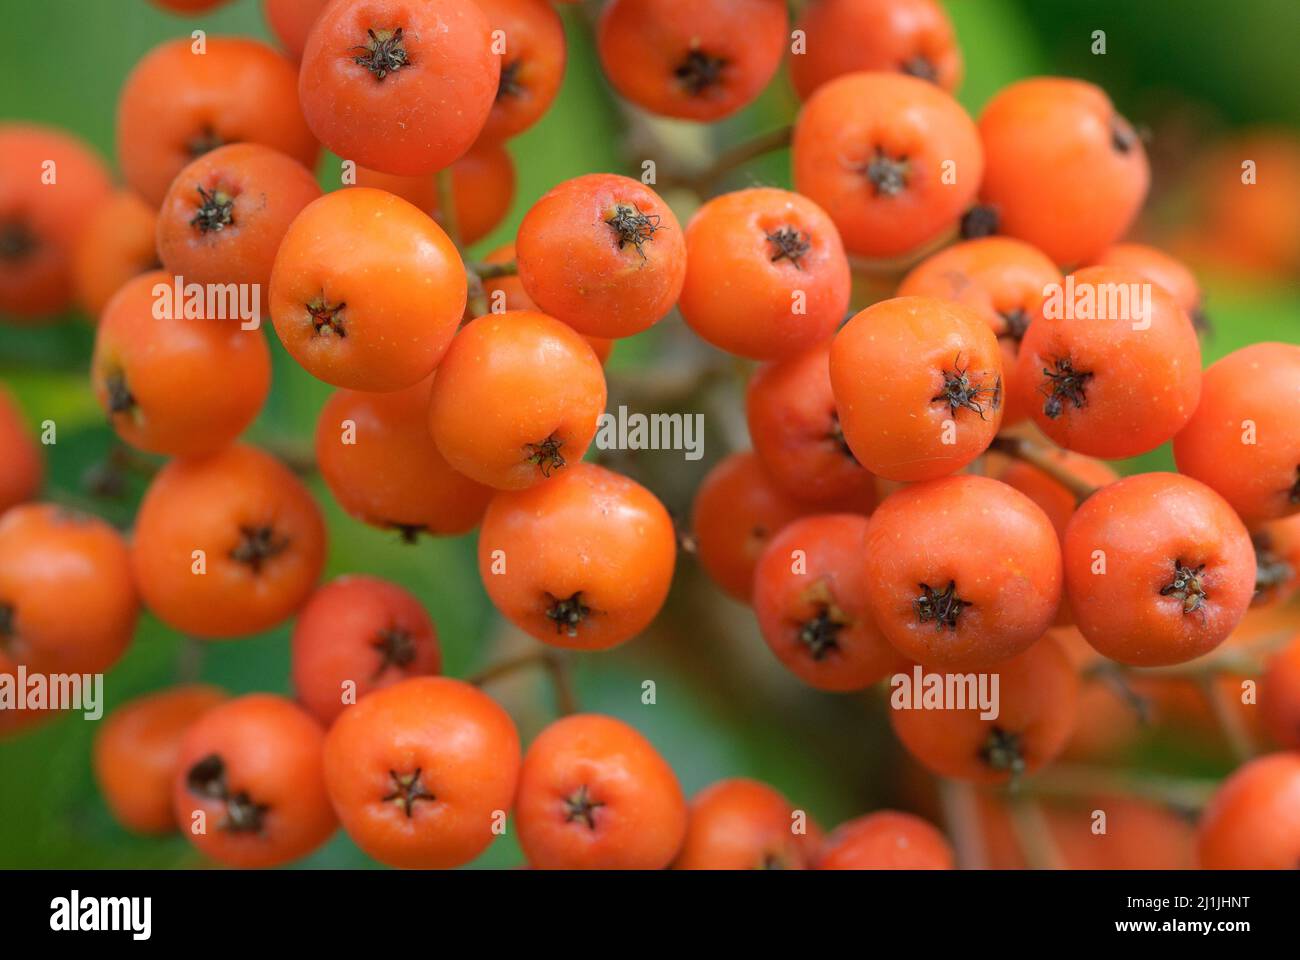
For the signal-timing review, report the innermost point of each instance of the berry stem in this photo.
(557, 669)
(493, 271)
(732, 158)
(1072, 780)
(1033, 834)
(447, 206)
(1041, 457)
(1229, 719)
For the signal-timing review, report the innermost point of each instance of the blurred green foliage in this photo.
(724, 708)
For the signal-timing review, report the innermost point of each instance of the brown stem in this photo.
(961, 814)
(1033, 834)
(1229, 719)
(493, 271)
(1067, 780)
(731, 159)
(557, 669)
(1041, 457)
(447, 205)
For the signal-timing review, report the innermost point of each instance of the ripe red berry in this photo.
(227, 545)
(737, 510)
(846, 36)
(1004, 281)
(810, 597)
(532, 64)
(291, 21)
(1280, 695)
(1037, 701)
(886, 840)
(181, 101)
(49, 184)
(1063, 170)
(67, 603)
(1107, 371)
(742, 824)
(226, 213)
(766, 275)
(476, 418)
(137, 749)
(249, 786)
(965, 572)
(358, 634)
(482, 185)
(1244, 438)
(24, 470)
(796, 433)
(691, 58)
(367, 291)
(399, 87)
(117, 242)
(1162, 269)
(894, 160)
(918, 386)
(1055, 499)
(603, 253)
(1253, 821)
(423, 773)
(594, 794)
(1158, 569)
(583, 560)
(171, 382)
(378, 459)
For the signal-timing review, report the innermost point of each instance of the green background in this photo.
(724, 708)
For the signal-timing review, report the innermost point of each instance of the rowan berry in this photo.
(24, 470)
(603, 253)
(766, 275)
(507, 293)
(737, 511)
(742, 824)
(474, 414)
(894, 160)
(183, 100)
(810, 597)
(118, 242)
(532, 64)
(136, 753)
(796, 433)
(49, 181)
(1053, 497)
(918, 387)
(690, 58)
(1002, 279)
(291, 21)
(358, 634)
(1111, 368)
(847, 36)
(377, 458)
(422, 773)
(367, 291)
(226, 213)
(1037, 707)
(399, 87)
(1158, 569)
(249, 786)
(965, 572)
(1162, 269)
(227, 545)
(583, 560)
(67, 603)
(170, 381)
(886, 840)
(1063, 170)
(1253, 821)
(1277, 560)
(1280, 695)
(482, 183)
(595, 794)
(1244, 438)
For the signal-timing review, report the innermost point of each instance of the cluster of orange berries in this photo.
(922, 490)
